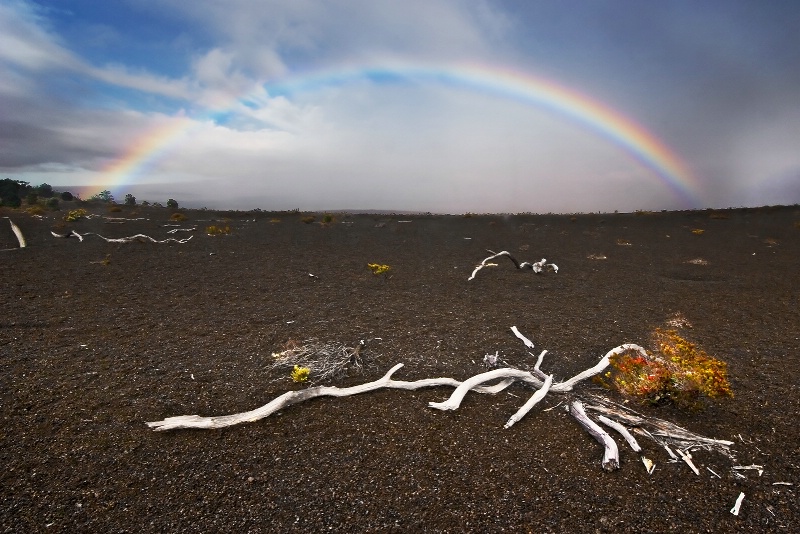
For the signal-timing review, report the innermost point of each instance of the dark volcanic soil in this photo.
(98, 338)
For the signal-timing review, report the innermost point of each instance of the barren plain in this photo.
(97, 338)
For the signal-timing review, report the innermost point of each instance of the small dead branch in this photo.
(68, 235)
(537, 267)
(18, 233)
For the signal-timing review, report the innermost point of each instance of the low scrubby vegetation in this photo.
(677, 371)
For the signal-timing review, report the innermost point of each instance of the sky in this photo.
(444, 106)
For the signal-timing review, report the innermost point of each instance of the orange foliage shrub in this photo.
(679, 372)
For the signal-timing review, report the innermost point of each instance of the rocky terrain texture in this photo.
(97, 338)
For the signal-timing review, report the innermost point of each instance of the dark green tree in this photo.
(130, 200)
(104, 196)
(172, 203)
(66, 196)
(32, 199)
(45, 190)
(11, 192)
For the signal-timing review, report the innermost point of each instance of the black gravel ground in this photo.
(98, 338)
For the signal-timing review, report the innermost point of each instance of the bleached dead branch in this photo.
(68, 235)
(662, 432)
(130, 239)
(293, 397)
(537, 267)
(18, 233)
(610, 450)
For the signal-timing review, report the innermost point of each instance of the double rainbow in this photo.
(636, 141)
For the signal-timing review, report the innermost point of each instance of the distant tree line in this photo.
(12, 193)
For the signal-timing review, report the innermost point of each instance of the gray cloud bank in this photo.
(716, 82)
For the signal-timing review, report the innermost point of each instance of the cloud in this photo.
(725, 105)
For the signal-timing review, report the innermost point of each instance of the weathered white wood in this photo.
(610, 450)
(738, 505)
(18, 233)
(686, 457)
(537, 267)
(535, 398)
(293, 397)
(662, 432)
(622, 431)
(129, 239)
(460, 392)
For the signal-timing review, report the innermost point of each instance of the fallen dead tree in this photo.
(537, 267)
(610, 414)
(137, 237)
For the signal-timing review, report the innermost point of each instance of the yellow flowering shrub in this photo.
(74, 215)
(300, 374)
(377, 268)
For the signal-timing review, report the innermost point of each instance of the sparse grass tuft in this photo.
(308, 220)
(698, 231)
(178, 217)
(35, 210)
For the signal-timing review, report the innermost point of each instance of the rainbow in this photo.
(636, 141)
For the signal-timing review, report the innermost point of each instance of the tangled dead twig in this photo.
(326, 361)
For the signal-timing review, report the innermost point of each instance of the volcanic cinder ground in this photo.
(98, 338)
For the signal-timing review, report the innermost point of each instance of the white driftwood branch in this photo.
(662, 432)
(610, 450)
(567, 385)
(18, 233)
(537, 267)
(293, 397)
(622, 431)
(535, 398)
(737, 506)
(68, 235)
(137, 237)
